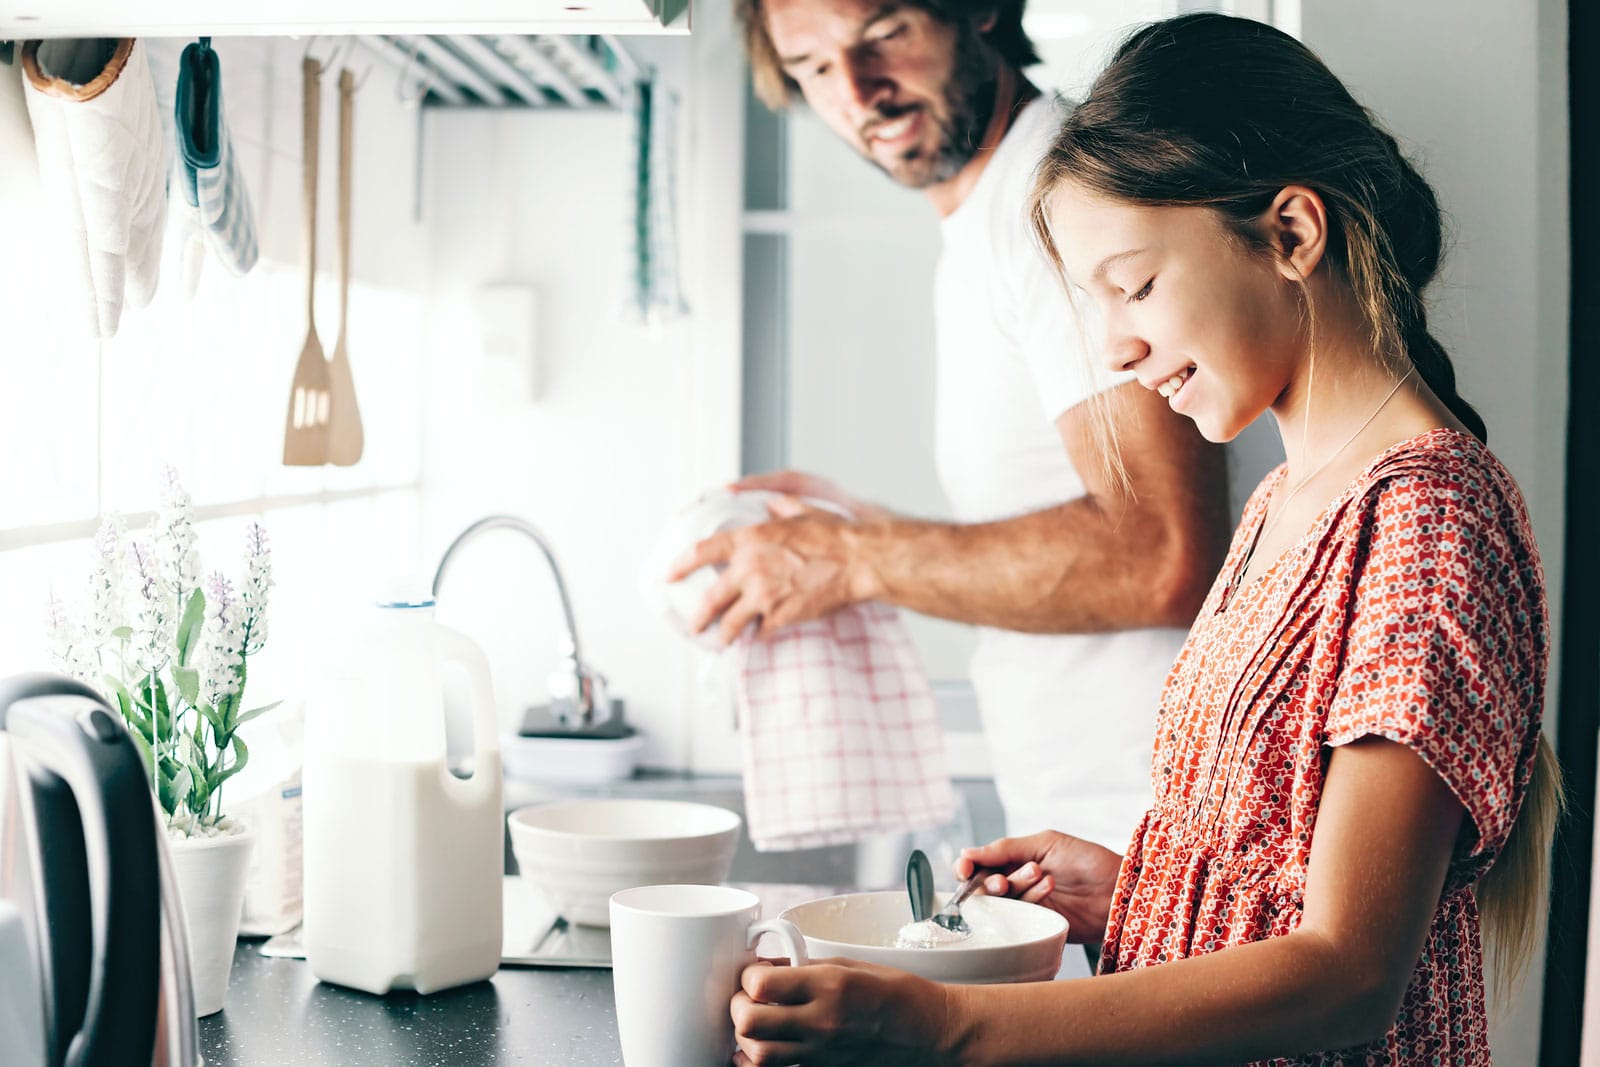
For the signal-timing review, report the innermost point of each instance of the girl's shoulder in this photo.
(1438, 512)
(1438, 482)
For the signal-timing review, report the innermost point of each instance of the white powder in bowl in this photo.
(926, 934)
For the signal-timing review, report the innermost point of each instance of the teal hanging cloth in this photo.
(654, 296)
(213, 187)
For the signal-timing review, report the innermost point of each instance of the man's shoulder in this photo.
(1035, 128)
(1006, 210)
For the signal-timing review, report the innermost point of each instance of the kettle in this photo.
(91, 926)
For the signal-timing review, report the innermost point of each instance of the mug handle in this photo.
(794, 943)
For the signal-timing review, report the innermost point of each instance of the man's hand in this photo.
(839, 1012)
(1068, 875)
(798, 567)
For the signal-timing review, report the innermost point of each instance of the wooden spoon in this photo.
(305, 435)
(344, 415)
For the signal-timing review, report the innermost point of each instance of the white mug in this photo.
(676, 955)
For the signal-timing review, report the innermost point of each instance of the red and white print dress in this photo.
(1413, 609)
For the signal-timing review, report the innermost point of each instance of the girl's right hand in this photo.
(1066, 874)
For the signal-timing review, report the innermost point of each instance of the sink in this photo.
(876, 863)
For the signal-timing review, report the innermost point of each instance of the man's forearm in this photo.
(1074, 568)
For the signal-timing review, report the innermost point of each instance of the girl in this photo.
(1348, 765)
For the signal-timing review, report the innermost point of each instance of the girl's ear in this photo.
(1297, 226)
(985, 21)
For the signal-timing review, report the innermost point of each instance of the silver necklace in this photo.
(1303, 482)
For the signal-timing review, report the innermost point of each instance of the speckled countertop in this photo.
(279, 1014)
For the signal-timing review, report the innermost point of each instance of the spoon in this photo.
(919, 885)
(949, 916)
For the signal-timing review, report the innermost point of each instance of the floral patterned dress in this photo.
(1412, 609)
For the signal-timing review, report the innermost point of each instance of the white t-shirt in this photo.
(1070, 720)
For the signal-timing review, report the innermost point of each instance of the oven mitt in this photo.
(208, 170)
(102, 166)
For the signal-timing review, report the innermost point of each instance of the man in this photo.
(1082, 583)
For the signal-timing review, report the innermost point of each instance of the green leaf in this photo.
(146, 756)
(189, 626)
(241, 756)
(234, 701)
(122, 633)
(214, 717)
(152, 696)
(130, 709)
(183, 783)
(255, 712)
(166, 789)
(188, 680)
(200, 795)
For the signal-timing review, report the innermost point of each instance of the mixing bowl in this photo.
(1012, 941)
(575, 854)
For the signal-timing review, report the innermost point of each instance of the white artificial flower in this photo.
(105, 586)
(178, 557)
(221, 642)
(257, 583)
(67, 647)
(154, 622)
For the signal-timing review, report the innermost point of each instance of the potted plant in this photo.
(171, 654)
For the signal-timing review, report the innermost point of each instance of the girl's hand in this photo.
(839, 1011)
(1066, 874)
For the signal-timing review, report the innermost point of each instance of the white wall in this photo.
(604, 455)
(86, 425)
(1478, 89)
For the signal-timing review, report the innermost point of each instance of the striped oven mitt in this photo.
(208, 171)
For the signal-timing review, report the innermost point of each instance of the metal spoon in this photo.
(919, 885)
(949, 916)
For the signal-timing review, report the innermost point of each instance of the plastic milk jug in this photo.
(403, 858)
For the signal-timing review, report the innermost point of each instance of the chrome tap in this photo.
(575, 690)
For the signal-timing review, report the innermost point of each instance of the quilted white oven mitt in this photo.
(103, 166)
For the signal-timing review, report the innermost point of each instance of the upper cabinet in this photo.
(179, 18)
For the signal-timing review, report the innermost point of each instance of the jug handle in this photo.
(455, 647)
(90, 749)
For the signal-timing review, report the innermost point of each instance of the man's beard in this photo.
(969, 98)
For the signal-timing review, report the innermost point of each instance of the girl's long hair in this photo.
(1214, 111)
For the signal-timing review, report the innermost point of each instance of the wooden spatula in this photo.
(305, 435)
(344, 415)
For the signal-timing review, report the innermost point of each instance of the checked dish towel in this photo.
(840, 734)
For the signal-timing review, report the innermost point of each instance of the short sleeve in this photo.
(1438, 602)
(1056, 336)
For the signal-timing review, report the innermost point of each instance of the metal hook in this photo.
(399, 87)
(341, 55)
(325, 66)
(344, 54)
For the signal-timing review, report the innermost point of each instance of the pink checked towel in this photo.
(840, 734)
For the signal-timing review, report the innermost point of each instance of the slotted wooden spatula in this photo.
(305, 435)
(344, 415)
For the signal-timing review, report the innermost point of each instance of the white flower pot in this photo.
(211, 875)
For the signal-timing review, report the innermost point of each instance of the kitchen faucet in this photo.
(575, 690)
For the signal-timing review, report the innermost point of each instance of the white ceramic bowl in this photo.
(576, 853)
(1013, 941)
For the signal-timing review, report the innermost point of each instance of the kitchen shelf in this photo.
(26, 19)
